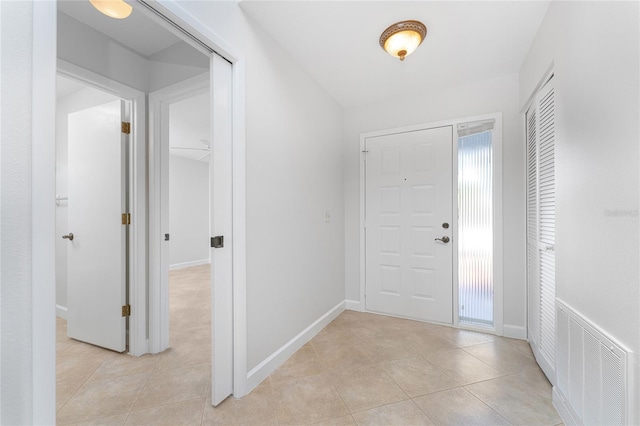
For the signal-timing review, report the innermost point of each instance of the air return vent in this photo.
(591, 371)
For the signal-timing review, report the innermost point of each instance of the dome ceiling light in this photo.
(117, 9)
(402, 38)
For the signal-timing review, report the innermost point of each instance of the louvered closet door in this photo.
(533, 272)
(541, 228)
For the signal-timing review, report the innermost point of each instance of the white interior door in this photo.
(220, 173)
(97, 264)
(408, 202)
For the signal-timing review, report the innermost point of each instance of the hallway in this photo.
(361, 369)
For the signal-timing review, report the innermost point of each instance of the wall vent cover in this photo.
(591, 370)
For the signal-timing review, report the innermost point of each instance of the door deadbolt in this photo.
(445, 225)
(443, 239)
(217, 242)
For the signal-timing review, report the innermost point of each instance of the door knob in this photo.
(69, 236)
(443, 239)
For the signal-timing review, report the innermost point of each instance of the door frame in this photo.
(137, 196)
(203, 35)
(498, 260)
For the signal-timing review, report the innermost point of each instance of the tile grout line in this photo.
(487, 405)
(79, 387)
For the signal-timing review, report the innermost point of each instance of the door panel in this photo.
(97, 254)
(220, 173)
(408, 198)
(540, 120)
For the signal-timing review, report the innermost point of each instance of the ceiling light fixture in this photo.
(402, 38)
(117, 9)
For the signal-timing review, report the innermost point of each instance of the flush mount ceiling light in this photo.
(117, 9)
(402, 38)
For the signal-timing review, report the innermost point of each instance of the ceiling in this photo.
(336, 42)
(124, 31)
(66, 86)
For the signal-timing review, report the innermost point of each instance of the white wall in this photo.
(85, 98)
(15, 215)
(483, 97)
(597, 78)
(189, 212)
(295, 261)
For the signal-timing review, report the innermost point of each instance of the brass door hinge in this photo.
(126, 128)
(126, 218)
(126, 310)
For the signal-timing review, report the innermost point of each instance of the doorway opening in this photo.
(49, 17)
(92, 214)
(188, 262)
(153, 58)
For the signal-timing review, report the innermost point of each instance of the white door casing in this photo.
(221, 199)
(408, 198)
(234, 313)
(97, 255)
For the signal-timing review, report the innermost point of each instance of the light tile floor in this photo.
(361, 369)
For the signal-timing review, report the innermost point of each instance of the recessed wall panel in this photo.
(422, 282)
(422, 199)
(422, 158)
(390, 200)
(390, 240)
(390, 279)
(422, 238)
(390, 161)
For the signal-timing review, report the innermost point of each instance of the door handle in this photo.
(69, 236)
(443, 239)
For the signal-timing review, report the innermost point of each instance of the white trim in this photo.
(363, 224)
(514, 331)
(61, 312)
(498, 224)
(353, 305)
(137, 198)
(189, 264)
(498, 284)
(276, 359)
(159, 153)
(172, 9)
(562, 409)
(239, 233)
(43, 225)
(546, 76)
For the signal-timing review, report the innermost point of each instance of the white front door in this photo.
(408, 220)
(97, 264)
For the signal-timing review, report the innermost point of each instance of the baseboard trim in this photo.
(354, 305)
(562, 409)
(514, 332)
(189, 264)
(276, 359)
(61, 312)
